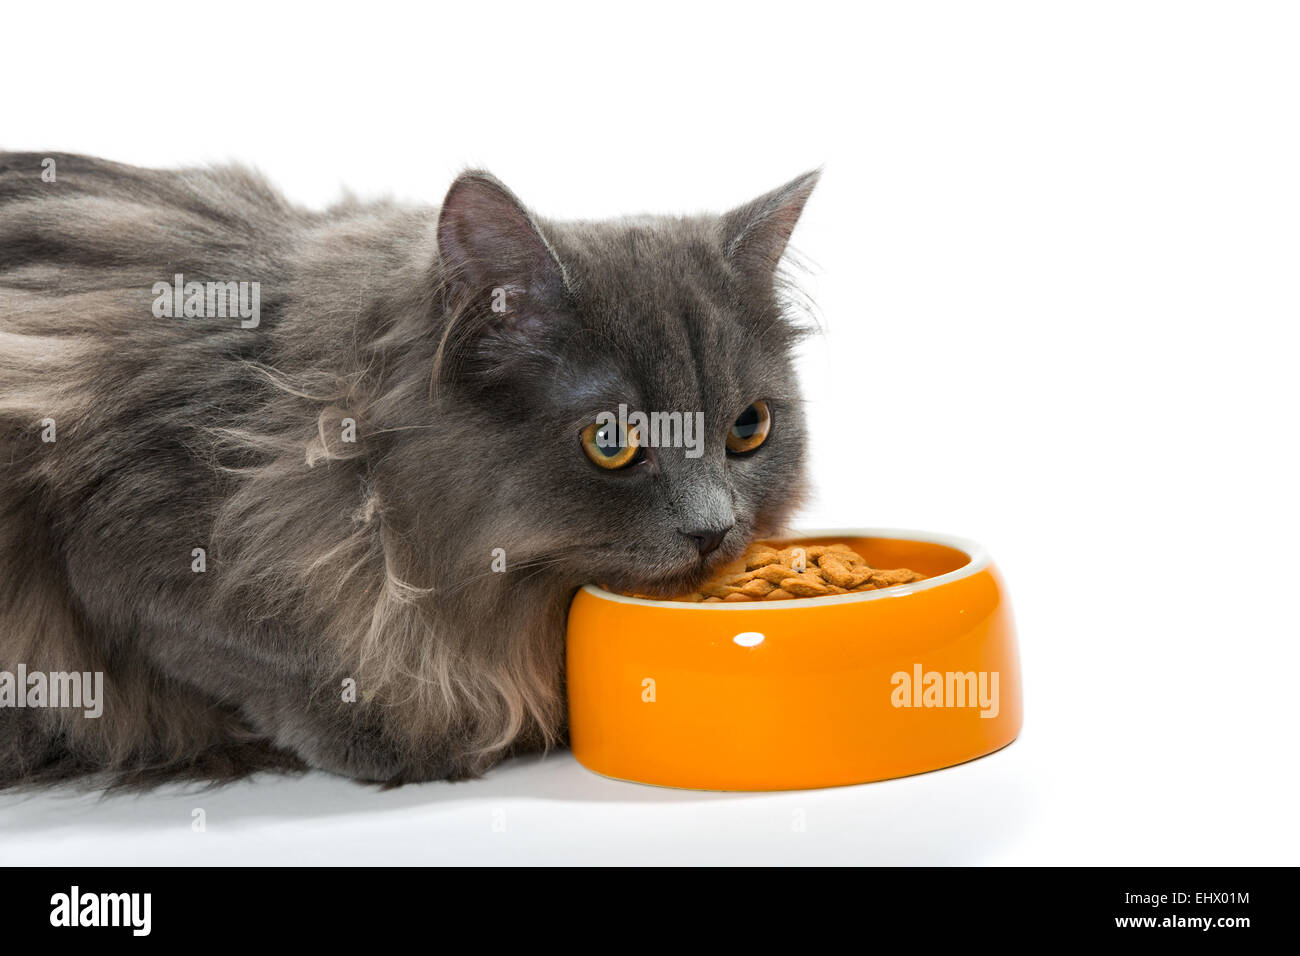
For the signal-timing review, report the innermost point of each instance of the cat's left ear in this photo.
(756, 234)
(489, 245)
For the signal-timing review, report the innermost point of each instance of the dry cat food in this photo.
(765, 573)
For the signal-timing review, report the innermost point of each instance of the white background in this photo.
(1055, 251)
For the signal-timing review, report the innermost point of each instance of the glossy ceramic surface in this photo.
(805, 693)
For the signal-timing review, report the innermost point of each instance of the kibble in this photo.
(766, 573)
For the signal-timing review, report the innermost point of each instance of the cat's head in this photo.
(557, 333)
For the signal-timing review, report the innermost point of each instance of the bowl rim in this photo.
(978, 561)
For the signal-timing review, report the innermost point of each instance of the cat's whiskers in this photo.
(535, 565)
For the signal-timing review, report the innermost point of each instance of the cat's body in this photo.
(462, 348)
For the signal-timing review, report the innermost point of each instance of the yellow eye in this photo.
(607, 447)
(750, 429)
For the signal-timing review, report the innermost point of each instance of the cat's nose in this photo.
(707, 539)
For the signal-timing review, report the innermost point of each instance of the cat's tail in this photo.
(129, 744)
(35, 753)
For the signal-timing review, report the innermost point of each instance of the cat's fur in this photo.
(371, 560)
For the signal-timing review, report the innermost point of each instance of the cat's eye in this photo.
(750, 429)
(608, 446)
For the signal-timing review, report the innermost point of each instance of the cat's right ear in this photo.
(490, 248)
(755, 235)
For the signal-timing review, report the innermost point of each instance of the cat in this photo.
(344, 535)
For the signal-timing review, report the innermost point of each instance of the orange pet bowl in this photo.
(789, 695)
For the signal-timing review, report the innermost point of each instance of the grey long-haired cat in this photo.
(279, 533)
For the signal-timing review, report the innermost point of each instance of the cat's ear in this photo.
(755, 235)
(490, 245)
